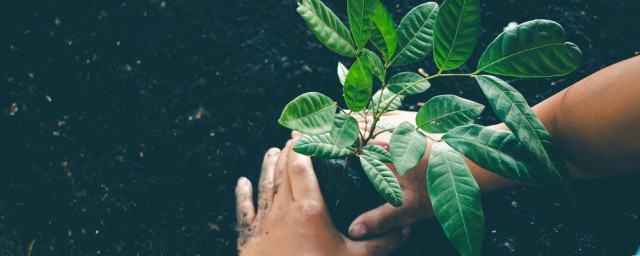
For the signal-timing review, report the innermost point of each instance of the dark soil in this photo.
(125, 124)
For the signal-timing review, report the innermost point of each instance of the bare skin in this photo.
(292, 218)
(595, 123)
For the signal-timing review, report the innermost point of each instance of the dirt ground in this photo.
(124, 125)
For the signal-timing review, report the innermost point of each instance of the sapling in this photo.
(449, 32)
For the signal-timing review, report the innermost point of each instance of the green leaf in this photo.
(455, 197)
(358, 86)
(342, 73)
(407, 147)
(383, 34)
(512, 108)
(497, 151)
(327, 27)
(320, 146)
(310, 113)
(386, 125)
(361, 13)
(377, 152)
(382, 179)
(345, 131)
(387, 96)
(376, 64)
(456, 32)
(415, 35)
(443, 113)
(535, 48)
(403, 80)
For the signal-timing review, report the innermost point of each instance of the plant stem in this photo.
(377, 116)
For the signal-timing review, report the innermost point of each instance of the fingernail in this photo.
(288, 143)
(406, 231)
(243, 182)
(358, 231)
(273, 152)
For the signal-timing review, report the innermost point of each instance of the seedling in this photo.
(533, 49)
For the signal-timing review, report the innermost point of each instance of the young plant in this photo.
(526, 154)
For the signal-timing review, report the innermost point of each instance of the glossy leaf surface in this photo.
(456, 32)
(320, 146)
(405, 79)
(443, 113)
(532, 49)
(383, 34)
(342, 72)
(361, 13)
(407, 147)
(415, 35)
(326, 26)
(377, 68)
(497, 151)
(310, 113)
(345, 130)
(377, 152)
(383, 180)
(455, 197)
(511, 107)
(387, 99)
(358, 85)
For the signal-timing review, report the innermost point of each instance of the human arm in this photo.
(594, 123)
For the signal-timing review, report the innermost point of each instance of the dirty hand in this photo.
(416, 204)
(292, 218)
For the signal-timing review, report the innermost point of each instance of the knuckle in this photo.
(298, 167)
(309, 209)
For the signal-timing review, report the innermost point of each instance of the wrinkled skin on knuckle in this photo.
(308, 210)
(298, 167)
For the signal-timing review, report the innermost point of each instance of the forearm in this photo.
(595, 123)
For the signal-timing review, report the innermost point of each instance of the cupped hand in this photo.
(416, 204)
(292, 218)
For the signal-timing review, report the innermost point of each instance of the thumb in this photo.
(381, 245)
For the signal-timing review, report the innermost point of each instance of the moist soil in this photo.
(124, 125)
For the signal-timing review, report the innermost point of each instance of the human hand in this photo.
(292, 218)
(416, 204)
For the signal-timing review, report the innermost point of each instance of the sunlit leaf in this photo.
(497, 151)
(377, 68)
(345, 130)
(456, 32)
(443, 113)
(379, 102)
(512, 108)
(407, 147)
(382, 179)
(342, 73)
(455, 197)
(361, 13)
(310, 113)
(532, 49)
(377, 152)
(405, 79)
(415, 35)
(383, 34)
(327, 27)
(358, 86)
(320, 146)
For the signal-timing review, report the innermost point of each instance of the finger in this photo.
(381, 245)
(304, 184)
(295, 134)
(266, 187)
(380, 220)
(245, 210)
(282, 188)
